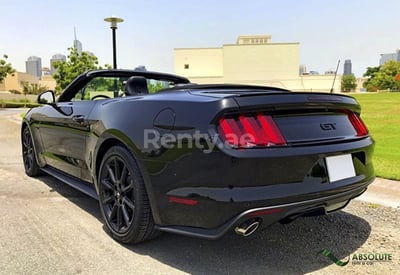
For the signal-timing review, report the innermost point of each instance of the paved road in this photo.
(49, 228)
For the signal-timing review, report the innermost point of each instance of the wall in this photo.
(48, 81)
(203, 62)
(14, 82)
(248, 63)
(319, 83)
(268, 64)
(315, 83)
(239, 63)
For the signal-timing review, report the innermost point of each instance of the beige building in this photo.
(14, 82)
(48, 81)
(254, 59)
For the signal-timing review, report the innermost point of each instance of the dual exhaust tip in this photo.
(248, 227)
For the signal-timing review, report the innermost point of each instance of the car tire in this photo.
(31, 166)
(123, 199)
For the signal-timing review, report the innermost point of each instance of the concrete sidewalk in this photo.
(384, 192)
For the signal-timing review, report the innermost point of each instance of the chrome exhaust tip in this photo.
(247, 228)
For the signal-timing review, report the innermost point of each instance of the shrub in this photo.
(9, 104)
(33, 88)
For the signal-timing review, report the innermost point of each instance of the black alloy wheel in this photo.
(31, 166)
(123, 199)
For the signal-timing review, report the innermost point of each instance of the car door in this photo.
(64, 130)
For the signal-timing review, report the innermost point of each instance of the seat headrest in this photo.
(136, 85)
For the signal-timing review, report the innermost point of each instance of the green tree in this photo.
(371, 71)
(103, 84)
(155, 87)
(75, 65)
(386, 78)
(370, 74)
(5, 68)
(349, 83)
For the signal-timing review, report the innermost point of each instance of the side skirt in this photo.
(72, 181)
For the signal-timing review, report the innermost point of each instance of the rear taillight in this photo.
(358, 124)
(247, 131)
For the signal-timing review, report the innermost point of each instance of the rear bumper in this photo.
(224, 188)
(272, 214)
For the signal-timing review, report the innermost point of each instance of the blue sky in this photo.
(327, 30)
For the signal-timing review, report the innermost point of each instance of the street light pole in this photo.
(114, 21)
(114, 45)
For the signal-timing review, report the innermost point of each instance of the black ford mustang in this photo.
(162, 154)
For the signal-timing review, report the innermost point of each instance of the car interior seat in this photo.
(136, 85)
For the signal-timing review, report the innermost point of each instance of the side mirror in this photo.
(46, 97)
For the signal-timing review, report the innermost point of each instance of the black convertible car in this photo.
(162, 154)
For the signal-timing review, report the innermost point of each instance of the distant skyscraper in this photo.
(34, 66)
(77, 44)
(56, 57)
(389, 56)
(347, 67)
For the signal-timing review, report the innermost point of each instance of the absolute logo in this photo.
(358, 258)
(370, 258)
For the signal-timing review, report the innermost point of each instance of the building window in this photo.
(186, 66)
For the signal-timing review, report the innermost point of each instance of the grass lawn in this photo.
(381, 114)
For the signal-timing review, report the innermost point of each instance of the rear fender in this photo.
(112, 137)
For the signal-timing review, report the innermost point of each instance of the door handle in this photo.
(78, 118)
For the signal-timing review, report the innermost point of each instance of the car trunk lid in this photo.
(298, 118)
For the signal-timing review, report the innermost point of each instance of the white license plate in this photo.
(340, 167)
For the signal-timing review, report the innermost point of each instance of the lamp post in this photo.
(114, 21)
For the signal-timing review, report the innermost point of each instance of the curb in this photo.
(384, 192)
